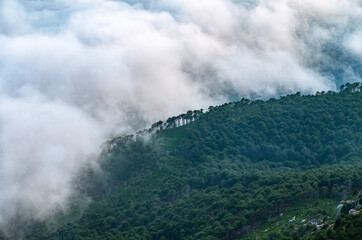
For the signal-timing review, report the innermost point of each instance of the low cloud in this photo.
(74, 73)
(353, 44)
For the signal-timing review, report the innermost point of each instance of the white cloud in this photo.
(73, 73)
(43, 145)
(354, 44)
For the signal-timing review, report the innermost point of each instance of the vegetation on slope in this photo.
(348, 226)
(299, 221)
(232, 169)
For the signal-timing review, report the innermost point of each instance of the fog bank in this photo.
(74, 73)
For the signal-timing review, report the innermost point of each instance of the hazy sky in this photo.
(76, 72)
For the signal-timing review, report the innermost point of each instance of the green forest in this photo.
(226, 172)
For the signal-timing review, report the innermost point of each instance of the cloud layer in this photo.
(75, 72)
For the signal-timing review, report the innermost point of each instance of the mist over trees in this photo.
(96, 69)
(220, 176)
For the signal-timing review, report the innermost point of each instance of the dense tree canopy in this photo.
(226, 171)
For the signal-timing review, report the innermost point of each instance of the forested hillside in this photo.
(346, 227)
(227, 171)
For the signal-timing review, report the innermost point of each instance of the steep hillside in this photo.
(224, 172)
(346, 227)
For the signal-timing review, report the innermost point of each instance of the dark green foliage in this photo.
(345, 228)
(228, 171)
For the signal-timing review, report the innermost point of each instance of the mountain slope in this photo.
(226, 171)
